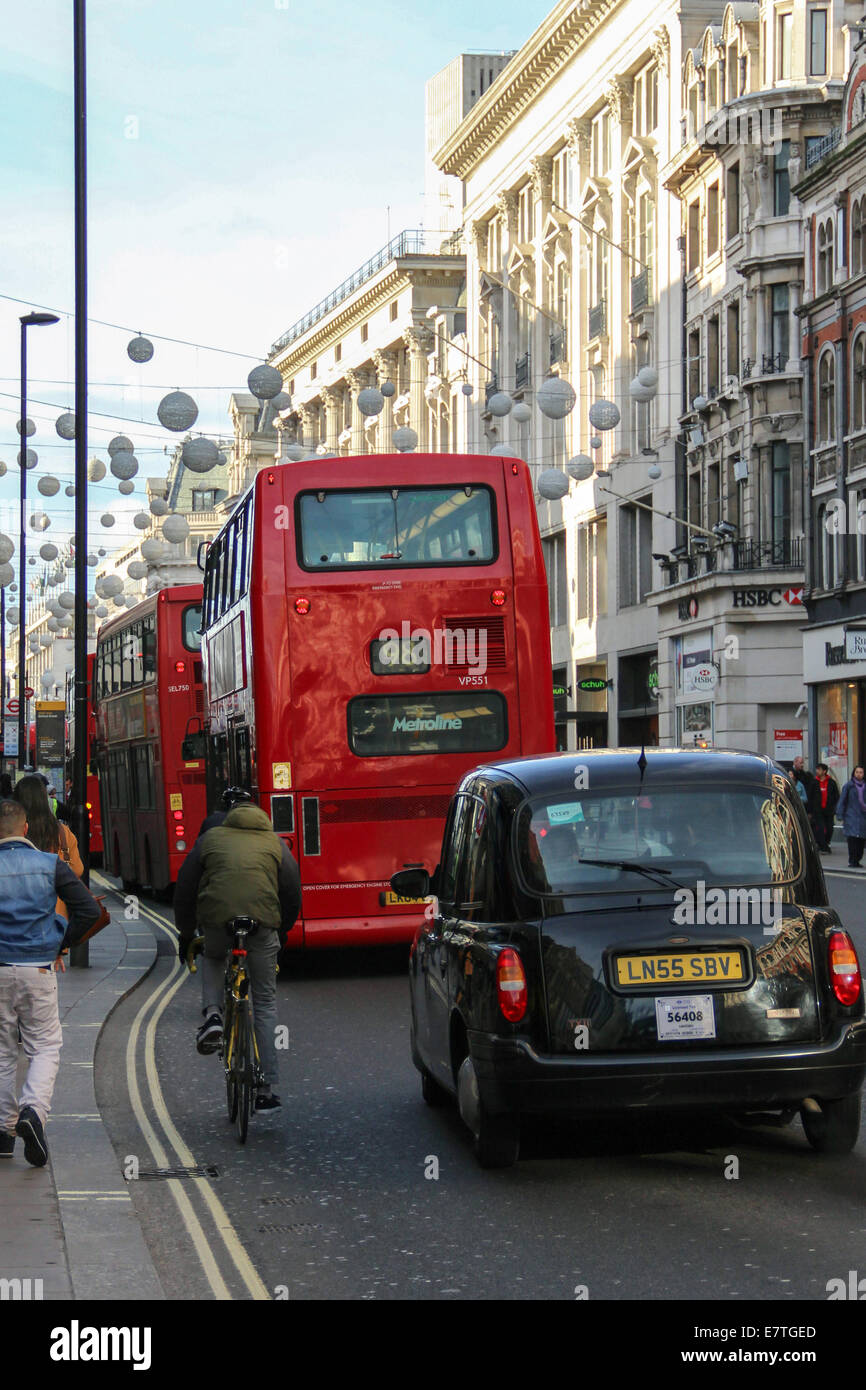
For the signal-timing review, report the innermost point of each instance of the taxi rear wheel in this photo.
(495, 1138)
(835, 1129)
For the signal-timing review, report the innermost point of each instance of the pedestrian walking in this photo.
(852, 810)
(822, 806)
(239, 869)
(31, 939)
(801, 776)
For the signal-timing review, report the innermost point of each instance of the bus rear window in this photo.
(383, 726)
(395, 527)
(191, 628)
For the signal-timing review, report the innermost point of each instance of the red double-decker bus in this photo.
(373, 628)
(94, 811)
(147, 698)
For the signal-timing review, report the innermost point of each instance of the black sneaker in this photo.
(209, 1035)
(7, 1145)
(267, 1102)
(29, 1127)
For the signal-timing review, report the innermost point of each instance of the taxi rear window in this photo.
(723, 835)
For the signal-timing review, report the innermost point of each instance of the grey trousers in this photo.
(262, 949)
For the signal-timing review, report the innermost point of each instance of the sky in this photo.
(244, 157)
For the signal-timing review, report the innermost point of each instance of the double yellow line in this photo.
(158, 1001)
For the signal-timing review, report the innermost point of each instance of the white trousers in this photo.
(28, 998)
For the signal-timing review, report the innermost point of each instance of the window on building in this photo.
(733, 491)
(559, 179)
(694, 236)
(557, 577)
(635, 553)
(712, 88)
(817, 42)
(781, 184)
(338, 352)
(694, 109)
(713, 354)
(592, 570)
(744, 74)
(494, 245)
(732, 202)
(600, 144)
(526, 213)
(694, 363)
(203, 499)
(714, 498)
(733, 339)
(780, 491)
(646, 227)
(779, 323)
(784, 34)
(394, 308)
(858, 383)
(858, 510)
(314, 370)
(365, 332)
(858, 260)
(826, 549)
(694, 497)
(824, 277)
(731, 71)
(713, 209)
(827, 397)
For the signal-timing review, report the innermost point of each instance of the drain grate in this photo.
(204, 1170)
(295, 1228)
(283, 1201)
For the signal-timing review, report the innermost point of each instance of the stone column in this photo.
(386, 370)
(307, 428)
(794, 291)
(356, 380)
(419, 342)
(333, 425)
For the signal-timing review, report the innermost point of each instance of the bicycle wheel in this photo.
(244, 1068)
(230, 1031)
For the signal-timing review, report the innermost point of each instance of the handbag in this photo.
(101, 921)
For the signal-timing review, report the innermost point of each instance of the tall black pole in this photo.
(79, 762)
(22, 557)
(3, 691)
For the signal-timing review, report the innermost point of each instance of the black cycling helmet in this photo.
(233, 796)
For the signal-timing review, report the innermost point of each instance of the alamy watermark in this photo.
(745, 125)
(413, 647)
(720, 907)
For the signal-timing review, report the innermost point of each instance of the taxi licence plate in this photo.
(395, 900)
(685, 968)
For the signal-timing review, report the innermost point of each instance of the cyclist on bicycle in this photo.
(239, 868)
(232, 796)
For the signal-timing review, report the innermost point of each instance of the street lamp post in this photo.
(27, 320)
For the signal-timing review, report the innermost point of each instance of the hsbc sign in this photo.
(768, 598)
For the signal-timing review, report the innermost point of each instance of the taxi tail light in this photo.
(844, 968)
(511, 985)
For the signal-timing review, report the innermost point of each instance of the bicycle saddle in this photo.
(247, 925)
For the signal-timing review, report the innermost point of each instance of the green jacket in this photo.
(238, 869)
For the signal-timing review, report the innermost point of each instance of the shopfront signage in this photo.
(687, 608)
(768, 598)
(589, 683)
(855, 644)
(787, 744)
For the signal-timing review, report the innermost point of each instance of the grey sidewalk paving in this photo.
(72, 1224)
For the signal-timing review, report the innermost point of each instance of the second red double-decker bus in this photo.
(94, 811)
(373, 627)
(147, 697)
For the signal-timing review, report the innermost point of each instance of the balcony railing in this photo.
(763, 555)
(557, 346)
(409, 243)
(597, 319)
(816, 152)
(521, 371)
(491, 387)
(640, 290)
(825, 464)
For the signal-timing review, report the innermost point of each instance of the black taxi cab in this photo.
(620, 928)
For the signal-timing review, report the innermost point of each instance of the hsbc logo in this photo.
(768, 598)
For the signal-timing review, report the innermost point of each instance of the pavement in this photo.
(72, 1224)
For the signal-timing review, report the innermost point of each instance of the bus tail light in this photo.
(180, 666)
(178, 815)
(272, 477)
(511, 985)
(844, 968)
(497, 598)
(180, 846)
(302, 605)
(515, 470)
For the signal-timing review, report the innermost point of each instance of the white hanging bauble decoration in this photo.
(40, 521)
(45, 640)
(69, 562)
(505, 451)
(48, 551)
(125, 487)
(521, 412)
(265, 382)
(3, 469)
(120, 444)
(65, 425)
(405, 439)
(111, 584)
(93, 561)
(12, 617)
(101, 551)
(467, 388)
(66, 600)
(200, 455)
(101, 610)
(96, 470)
(136, 569)
(175, 529)
(47, 680)
(54, 608)
(139, 349)
(32, 458)
(7, 574)
(654, 471)
(107, 519)
(500, 403)
(69, 489)
(595, 442)
(29, 426)
(124, 464)
(281, 401)
(370, 400)
(158, 506)
(388, 388)
(7, 548)
(648, 376)
(295, 452)
(552, 484)
(48, 486)
(555, 398)
(92, 602)
(153, 550)
(580, 467)
(639, 392)
(604, 415)
(141, 521)
(177, 411)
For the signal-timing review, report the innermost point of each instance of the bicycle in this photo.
(238, 1048)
